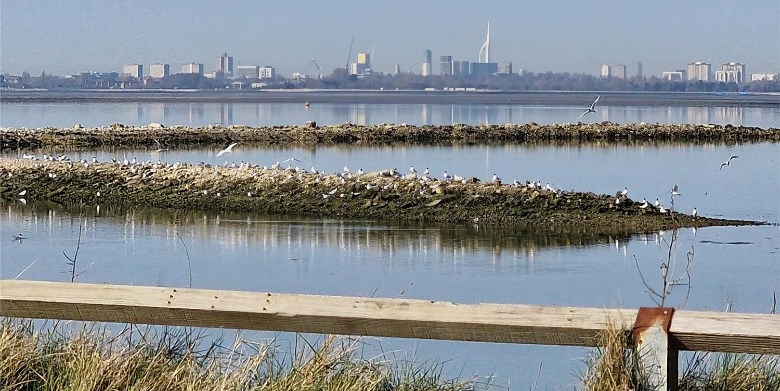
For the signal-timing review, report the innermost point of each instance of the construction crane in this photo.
(319, 68)
(313, 61)
(346, 67)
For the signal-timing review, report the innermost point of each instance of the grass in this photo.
(60, 356)
(56, 357)
(615, 367)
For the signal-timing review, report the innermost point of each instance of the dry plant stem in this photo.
(72, 261)
(189, 263)
(668, 279)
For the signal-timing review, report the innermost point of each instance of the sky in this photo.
(561, 36)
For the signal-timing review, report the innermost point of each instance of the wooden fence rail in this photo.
(404, 318)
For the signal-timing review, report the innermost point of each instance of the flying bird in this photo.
(160, 147)
(675, 191)
(728, 162)
(292, 159)
(591, 109)
(229, 149)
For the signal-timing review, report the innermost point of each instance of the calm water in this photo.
(257, 114)
(464, 263)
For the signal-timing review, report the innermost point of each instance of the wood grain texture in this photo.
(403, 318)
(506, 323)
(726, 332)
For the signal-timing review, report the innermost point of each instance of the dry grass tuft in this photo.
(614, 366)
(55, 357)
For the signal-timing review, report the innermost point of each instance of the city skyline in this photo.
(565, 37)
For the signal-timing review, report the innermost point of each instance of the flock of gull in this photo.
(431, 183)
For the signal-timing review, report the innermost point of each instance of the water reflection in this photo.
(239, 231)
(269, 114)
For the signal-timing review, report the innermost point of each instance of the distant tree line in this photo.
(341, 79)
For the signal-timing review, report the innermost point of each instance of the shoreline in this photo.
(378, 195)
(575, 98)
(119, 135)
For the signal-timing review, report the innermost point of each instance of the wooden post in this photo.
(657, 352)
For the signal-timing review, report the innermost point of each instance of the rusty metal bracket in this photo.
(650, 317)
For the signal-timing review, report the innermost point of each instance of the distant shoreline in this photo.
(563, 98)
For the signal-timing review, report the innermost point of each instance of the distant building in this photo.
(427, 67)
(699, 71)
(484, 51)
(508, 67)
(483, 69)
(362, 66)
(445, 65)
(732, 72)
(267, 72)
(159, 71)
(460, 68)
(134, 70)
(248, 71)
(638, 70)
(763, 77)
(225, 65)
(678, 75)
(605, 71)
(618, 71)
(192, 68)
(297, 75)
(397, 70)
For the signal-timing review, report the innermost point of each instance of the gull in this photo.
(675, 191)
(657, 203)
(159, 146)
(276, 165)
(591, 109)
(229, 149)
(346, 169)
(19, 237)
(292, 159)
(661, 209)
(694, 212)
(360, 171)
(617, 201)
(412, 170)
(332, 192)
(314, 170)
(496, 179)
(23, 192)
(624, 192)
(644, 204)
(728, 162)
(446, 176)
(427, 171)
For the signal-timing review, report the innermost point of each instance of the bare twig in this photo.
(668, 274)
(189, 262)
(72, 261)
(538, 374)
(25, 269)
(405, 289)
(774, 303)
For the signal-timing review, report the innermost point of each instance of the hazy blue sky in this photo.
(65, 37)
